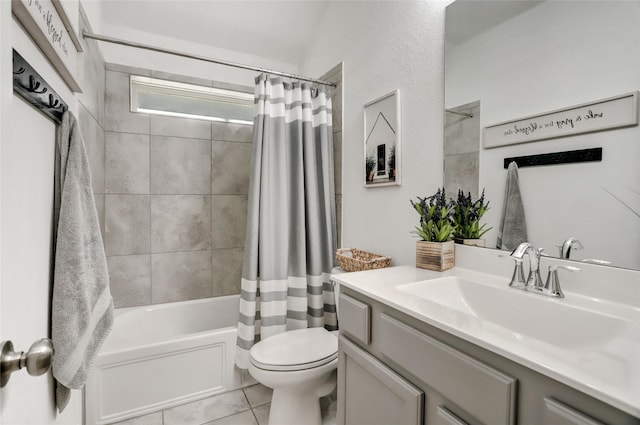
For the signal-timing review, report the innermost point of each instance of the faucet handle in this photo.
(517, 279)
(552, 286)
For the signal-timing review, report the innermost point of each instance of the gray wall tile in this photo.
(91, 73)
(180, 223)
(159, 180)
(94, 142)
(126, 224)
(179, 276)
(207, 409)
(180, 166)
(229, 220)
(461, 172)
(230, 168)
(337, 162)
(130, 280)
(127, 163)
(462, 134)
(180, 127)
(226, 271)
(231, 132)
(118, 115)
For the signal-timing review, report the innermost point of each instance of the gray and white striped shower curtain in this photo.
(290, 241)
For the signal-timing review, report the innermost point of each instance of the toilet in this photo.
(300, 366)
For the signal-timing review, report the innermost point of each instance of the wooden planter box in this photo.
(438, 256)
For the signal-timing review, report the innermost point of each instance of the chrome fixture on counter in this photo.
(564, 250)
(534, 282)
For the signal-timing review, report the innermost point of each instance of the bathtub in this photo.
(164, 355)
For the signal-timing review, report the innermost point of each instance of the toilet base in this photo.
(288, 407)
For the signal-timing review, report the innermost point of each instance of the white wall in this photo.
(386, 46)
(556, 55)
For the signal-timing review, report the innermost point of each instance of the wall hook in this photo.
(19, 71)
(35, 85)
(52, 103)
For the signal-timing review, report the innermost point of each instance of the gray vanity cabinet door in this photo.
(355, 319)
(560, 414)
(372, 394)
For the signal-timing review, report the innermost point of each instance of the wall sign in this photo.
(613, 112)
(45, 23)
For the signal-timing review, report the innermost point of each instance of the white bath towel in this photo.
(513, 225)
(82, 308)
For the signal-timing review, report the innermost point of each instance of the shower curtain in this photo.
(290, 240)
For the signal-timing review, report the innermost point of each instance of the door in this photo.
(27, 158)
(369, 393)
(27, 166)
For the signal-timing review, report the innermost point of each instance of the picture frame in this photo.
(382, 153)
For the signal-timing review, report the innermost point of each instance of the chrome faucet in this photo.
(567, 245)
(534, 282)
(525, 248)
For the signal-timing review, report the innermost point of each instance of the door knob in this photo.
(37, 360)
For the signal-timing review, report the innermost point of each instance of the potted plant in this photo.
(466, 219)
(370, 165)
(435, 250)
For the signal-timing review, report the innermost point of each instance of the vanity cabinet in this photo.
(396, 370)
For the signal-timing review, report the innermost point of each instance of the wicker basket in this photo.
(360, 260)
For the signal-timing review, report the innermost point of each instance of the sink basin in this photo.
(554, 321)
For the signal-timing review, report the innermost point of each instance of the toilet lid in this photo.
(295, 350)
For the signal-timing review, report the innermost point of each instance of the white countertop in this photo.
(607, 370)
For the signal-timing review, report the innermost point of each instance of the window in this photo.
(162, 97)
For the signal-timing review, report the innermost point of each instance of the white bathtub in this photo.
(162, 356)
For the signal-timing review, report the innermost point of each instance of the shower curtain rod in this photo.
(107, 39)
(464, 114)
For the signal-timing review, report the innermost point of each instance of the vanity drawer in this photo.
(355, 319)
(483, 392)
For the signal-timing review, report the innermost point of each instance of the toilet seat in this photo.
(295, 350)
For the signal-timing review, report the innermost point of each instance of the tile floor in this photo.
(247, 406)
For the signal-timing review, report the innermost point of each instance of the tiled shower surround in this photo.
(172, 195)
(175, 200)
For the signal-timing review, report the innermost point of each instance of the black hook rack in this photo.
(555, 158)
(29, 85)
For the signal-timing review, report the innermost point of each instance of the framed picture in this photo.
(382, 141)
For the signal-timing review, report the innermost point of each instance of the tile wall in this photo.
(462, 150)
(335, 76)
(91, 112)
(171, 193)
(175, 198)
